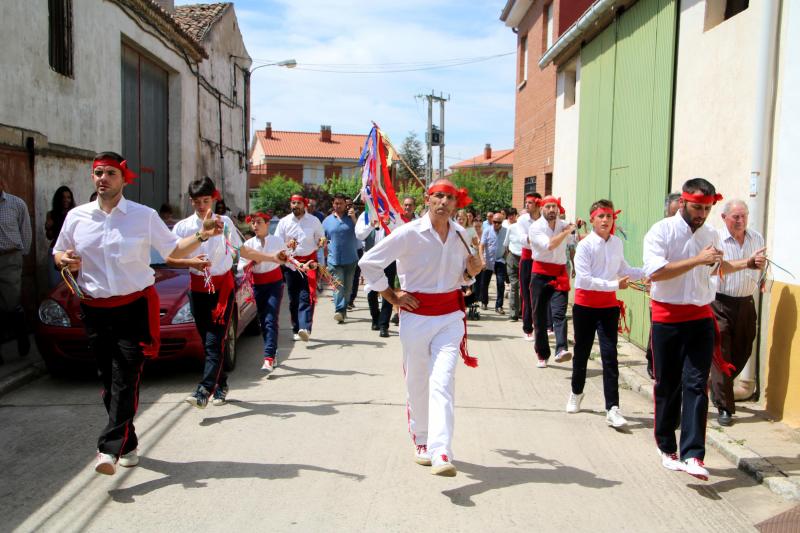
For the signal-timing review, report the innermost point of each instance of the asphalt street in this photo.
(322, 445)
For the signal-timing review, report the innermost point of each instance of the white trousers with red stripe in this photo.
(430, 353)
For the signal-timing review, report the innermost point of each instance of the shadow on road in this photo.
(271, 409)
(314, 344)
(316, 372)
(192, 475)
(490, 478)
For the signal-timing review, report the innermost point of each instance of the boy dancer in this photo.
(600, 269)
(267, 285)
(212, 292)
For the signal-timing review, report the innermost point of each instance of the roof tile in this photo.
(307, 145)
(197, 19)
(499, 158)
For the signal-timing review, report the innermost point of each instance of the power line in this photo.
(393, 68)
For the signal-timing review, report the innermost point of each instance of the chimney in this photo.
(167, 5)
(268, 131)
(325, 133)
(487, 151)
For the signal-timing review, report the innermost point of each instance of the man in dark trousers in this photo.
(683, 258)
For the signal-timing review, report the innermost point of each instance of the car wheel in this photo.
(230, 344)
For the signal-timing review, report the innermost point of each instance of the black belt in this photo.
(733, 299)
(11, 251)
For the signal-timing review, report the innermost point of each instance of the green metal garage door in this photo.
(625, 130)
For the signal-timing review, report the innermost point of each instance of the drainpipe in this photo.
(761, 153)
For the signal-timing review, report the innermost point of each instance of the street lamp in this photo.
(288, 63)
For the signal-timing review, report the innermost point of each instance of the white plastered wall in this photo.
(565, 164)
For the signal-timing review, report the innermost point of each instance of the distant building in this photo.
(497, 162)
(167, 88)
(305, 157)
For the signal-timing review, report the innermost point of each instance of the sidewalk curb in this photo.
(21, 377)
(743, 458)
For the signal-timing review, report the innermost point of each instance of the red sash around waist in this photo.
(222, 285)
(311, 275)
(598, 299)
(153, 314)
(666, 313)
(442, 303)
(267, 277)
(527, 253)
(561, 283)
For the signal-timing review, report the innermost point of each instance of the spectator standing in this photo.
(339, 228)
(516, 238)
(734, 306)
(62, 202)
(372, 233)
(15, 241)
(493, 251)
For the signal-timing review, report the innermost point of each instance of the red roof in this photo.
(307, 145)
(500, 158)
(197, 19)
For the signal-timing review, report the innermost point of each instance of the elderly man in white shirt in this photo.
(433, 263)
(682, 257)
(107, 244)
(734, 305)
(303, 233)
(516, 238)
(550, 282)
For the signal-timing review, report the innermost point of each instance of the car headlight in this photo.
(52, 314)
(184, 315)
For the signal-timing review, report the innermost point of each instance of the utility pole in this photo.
(435, 135)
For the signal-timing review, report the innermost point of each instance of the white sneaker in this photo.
(295, 337)
(574, 402)
(563, 356)
(551, 333)
(443, 467)
(670, 461)
(541, 363)
(422, 456)
(338, 317)
(528, 337)
(268, 365)
(304, 335)
(129, 459)
(614, 418)
(105, 464)
(695, 467)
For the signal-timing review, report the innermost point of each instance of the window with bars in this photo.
(530, 185)
(60, 36)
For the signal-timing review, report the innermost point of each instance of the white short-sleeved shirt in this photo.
(424, 262)
(669, 240)
(306, 230)
(114, 247)
(270, 244)
(218, 253)
(540, 234)
(516, 238)
(600, 263)
(524, 221)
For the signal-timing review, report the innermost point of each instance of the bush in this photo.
(488, 193)
(347, 185)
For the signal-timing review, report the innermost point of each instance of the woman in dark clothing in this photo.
(63, 201)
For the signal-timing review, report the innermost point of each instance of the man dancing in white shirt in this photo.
(433, 263)
(601, 269)
(106, 243)
(302, 233)
(682, 257)
(549, 281)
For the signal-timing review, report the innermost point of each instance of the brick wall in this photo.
(535, 112)
(570, 11)
(260, 173)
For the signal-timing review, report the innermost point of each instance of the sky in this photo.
(355, 35)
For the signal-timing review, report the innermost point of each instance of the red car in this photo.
(61, 338)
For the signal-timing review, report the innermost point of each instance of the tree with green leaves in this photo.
(274, 193)
(411, 150)
(488, 193)
(349, 186)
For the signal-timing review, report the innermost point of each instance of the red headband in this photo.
(461, 195)
(216, 196)
(552, 200)
(701, 198)
(251, 218)
(607, 211)
(297, 197)
(127, 174)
